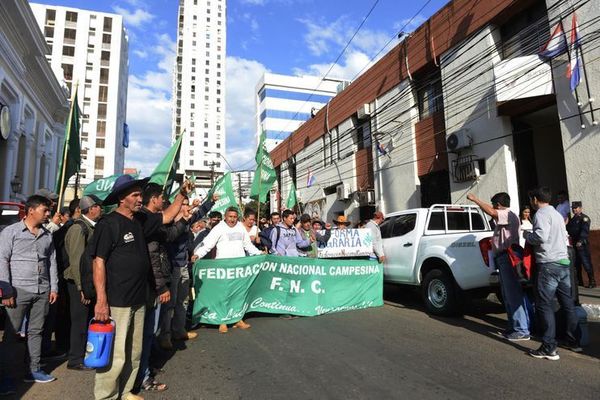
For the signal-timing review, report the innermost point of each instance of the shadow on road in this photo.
(482, 316)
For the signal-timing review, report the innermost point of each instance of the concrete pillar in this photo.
(9, 173)
(26, 178)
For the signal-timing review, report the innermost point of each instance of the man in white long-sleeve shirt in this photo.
(373, 225)
(231, 240)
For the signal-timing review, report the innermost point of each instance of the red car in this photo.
(11, 213)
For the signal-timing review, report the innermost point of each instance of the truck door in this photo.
(400, 246)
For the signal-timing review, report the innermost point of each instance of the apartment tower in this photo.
(199, 89)
(90, 49)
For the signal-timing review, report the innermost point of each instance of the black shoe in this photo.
(543, 353)
(79, 367)
(54, 355)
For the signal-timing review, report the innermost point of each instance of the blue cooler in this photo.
(99, 344)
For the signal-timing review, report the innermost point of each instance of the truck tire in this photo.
(440, 293)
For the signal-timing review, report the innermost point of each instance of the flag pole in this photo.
(581, 123)
(587, 85)
(65, 149)
(259, 182)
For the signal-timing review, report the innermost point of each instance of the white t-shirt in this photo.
(230, 241)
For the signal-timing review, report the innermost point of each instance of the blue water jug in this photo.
(99, 344)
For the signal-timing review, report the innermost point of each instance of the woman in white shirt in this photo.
(526, 224)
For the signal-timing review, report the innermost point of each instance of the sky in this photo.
(293, 37)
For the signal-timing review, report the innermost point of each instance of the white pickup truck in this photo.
(443, 249)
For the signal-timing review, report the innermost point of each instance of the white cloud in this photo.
(141, 53)
(329, 38)
(408, 25)
(149, 108)
(240, 119)
(135, 18)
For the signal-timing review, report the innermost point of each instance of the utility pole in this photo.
(240, 188)
(212, 174)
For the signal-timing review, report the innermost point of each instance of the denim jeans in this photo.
(37, 307)
(515, 299)
(150, 329)
(554, 279)
(172, 314)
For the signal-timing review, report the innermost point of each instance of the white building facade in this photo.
(90, 49)
(284, 102)
(33, 106)
(199, 89)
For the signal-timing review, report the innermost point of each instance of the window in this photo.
(71, 16)
(191, 162)
(68, 71)
(430, 99)
(100, 143)
(70, 35)
(99, 163)
(218, 145)
(457, 221)
(105, 58)
(403, 224)
(103, 93)
(104, 75)
(106, 38)
(50, 16)
(107, 24)
(101, 110)
(205, 144)
(68, 51)
(191, 142)
(49, 31)
(101, 128)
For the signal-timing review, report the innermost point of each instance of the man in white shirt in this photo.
(231, 240)
(373, 225)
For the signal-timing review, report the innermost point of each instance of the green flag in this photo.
(71, 156)
(291, 199)
(101, 187)
(265, 175)
(224, 189)
(164, 173)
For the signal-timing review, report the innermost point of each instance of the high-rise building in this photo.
(284, 102)
(199, 89)
(90, 49)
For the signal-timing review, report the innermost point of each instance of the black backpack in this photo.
(265, 238)
(58, 239)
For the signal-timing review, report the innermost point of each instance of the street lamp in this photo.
(220, 156)
(16, 185)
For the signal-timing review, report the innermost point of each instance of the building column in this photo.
(27, 167)
(9, 173)
(39, 151)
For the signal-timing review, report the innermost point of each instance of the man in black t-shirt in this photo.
(122, 273)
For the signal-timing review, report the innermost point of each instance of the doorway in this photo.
(539, 154)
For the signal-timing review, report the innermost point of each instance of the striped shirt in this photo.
(28, 262)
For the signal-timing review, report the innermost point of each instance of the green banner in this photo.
(165, 171)
(291, 198)
(224, 189)
(227, 289)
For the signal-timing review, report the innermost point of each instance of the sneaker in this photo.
(543, 353)
(39, 377)
(574, 347)
(7, 387)
(516, 337)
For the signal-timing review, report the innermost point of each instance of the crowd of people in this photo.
(59, 269)
(558, 240)
(132, 268)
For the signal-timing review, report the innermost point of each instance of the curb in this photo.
(593, 311)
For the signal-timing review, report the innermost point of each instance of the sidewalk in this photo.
(590, 301)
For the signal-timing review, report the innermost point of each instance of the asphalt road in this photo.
(392, 352)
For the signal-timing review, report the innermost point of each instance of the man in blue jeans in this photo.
(549, 238)
(506, 233)
(28, 270)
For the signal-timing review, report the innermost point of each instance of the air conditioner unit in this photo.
(363, 112)
(343, 192)
(366, 198)
(459, 140)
